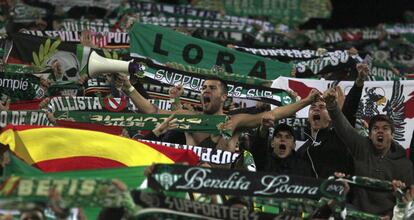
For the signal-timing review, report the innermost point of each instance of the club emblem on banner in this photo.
(375, 100)
(114, 104)
(166, 179)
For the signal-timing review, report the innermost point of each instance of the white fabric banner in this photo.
(394, 98)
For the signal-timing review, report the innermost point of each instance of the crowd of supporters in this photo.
(337, 142)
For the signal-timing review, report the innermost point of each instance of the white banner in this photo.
(394, 98)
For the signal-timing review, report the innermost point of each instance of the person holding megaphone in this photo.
(214, 93)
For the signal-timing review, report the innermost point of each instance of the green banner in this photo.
(25, 13)
(384, 71)
(290, 12)
(75, 191)
(133, 177)
(200, 123)
(188, 22)
(19, 86)
(165, 45)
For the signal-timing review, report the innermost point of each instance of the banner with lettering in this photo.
(66, 88)
(192, 209)
(337, 61)
(380, 71)
(194, 81)
(348, 36)
(159, 90)
(19, 86)
(225, 36)
(165, 45)
(210, 155)
(98, 86)
(192, 12)
(66, 5)
(86, 103)
(287, 12)
(398, 53)
(194, 23)
(234, 182)
(393, 98)
(64, 61)
(25, 13)
(21, 117)
(399, 28)
(219, 72)
(287, 54)
(110, 40)
(200, 123)
(75, 192)
(96, 25)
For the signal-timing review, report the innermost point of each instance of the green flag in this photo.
(201, 123)
(165, 45)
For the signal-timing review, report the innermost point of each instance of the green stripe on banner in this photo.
(165, 45)
(133, 177)
(200, 123)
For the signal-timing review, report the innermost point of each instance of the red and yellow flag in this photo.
(54, 149)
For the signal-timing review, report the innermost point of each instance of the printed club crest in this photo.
(115, 104)
(375, 102)
(165, 178)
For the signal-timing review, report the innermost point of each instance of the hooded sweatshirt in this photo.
(393, 165)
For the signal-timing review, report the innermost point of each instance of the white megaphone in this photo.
(98, 64)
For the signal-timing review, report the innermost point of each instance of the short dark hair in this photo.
(223, 83)
(376, 118)
(286, 128)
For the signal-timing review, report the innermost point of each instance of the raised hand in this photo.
(294, 95)
(340, 96)
(86, 39)
(313, 95)
(176, 91)
(5, 106)
(363, 71)
(169, 124)
(330, 96)
(268, 120)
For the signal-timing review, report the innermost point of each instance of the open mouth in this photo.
(380, 139)
(206, 100)
(282, 147)
(316, 117)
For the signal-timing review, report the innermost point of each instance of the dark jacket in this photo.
(325, 155)
(394, 165)
(267, 161)
(291, 165)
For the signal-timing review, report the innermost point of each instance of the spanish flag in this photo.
(54, 149)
